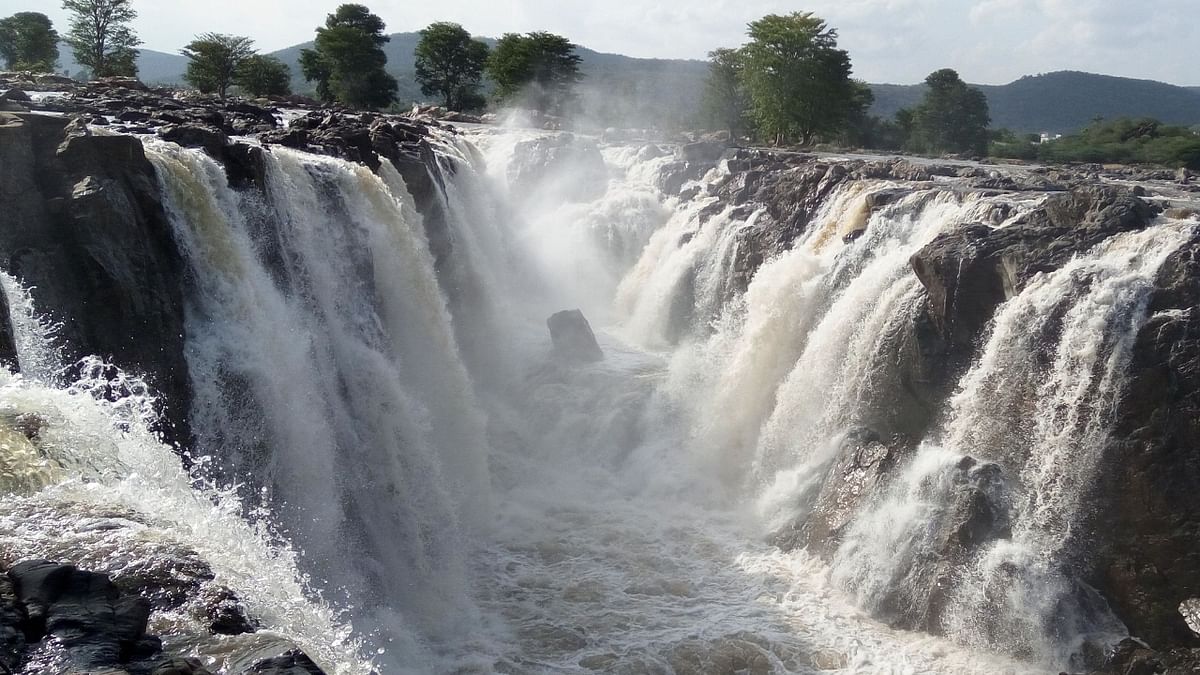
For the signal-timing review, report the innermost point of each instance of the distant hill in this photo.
(153, 67)
(631, 92)
(620, 90)
(1064, 101)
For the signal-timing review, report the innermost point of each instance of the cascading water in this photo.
(86, 482)
(472, 503)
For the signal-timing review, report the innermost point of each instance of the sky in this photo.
(898, 41)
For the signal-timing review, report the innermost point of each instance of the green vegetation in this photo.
(953, 117)
(347, 61)
(260, 75)
(214, 60)
(450, 64)
(101, 38)
(791, 81)
(798, 80)
(1123, 141)
(726, 103)
(539, 70)
(28, 41)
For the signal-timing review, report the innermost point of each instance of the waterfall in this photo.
(328, 379)
(1036, 409)
(393, 467)
(86, 482)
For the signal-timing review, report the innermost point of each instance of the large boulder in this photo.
(294, 662)
(573, 337)
(97, 626)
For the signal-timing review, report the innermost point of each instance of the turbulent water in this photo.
(394, 472)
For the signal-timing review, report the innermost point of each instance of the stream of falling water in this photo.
(470, 504)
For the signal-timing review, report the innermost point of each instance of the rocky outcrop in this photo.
(573, 337)
(1148, 523)
(558, 168)
(82, 225)
(8, 344)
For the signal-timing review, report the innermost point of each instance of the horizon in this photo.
(1105, 37)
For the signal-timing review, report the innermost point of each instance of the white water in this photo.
(95, 488)
(473, 505)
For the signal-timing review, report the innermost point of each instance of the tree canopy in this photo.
(725, 104)
(539, 70)
(214, 60)
(450, 64)
(101, 38)
(953, 117)
(797, 79)
(347, 61)
(260, 75)
(28, 41)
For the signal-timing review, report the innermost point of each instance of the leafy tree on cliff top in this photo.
(726, 104)
(347, 61)
(536, 69)
(214, 59)
(953, 117)
(450, 64)
(260, 75)
(28, 41)
(101, 37)
(798, 80)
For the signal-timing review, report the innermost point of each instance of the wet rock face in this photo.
(559, 168)
(573, 337)
(84, 226)
(1148, 518)
(292, 663)
(80, 613)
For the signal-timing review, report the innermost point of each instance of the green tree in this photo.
(725, 104)
(347, 60)
(28, 41)
(953, 117)
(450, 65)
(260, 75)
(539, 70)
(101, 38)
(798, 80)
(214, 59)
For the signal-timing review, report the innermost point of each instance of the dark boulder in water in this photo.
(573, 337)
(294, 662)
(97, 626)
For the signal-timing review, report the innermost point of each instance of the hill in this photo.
(617, 90)
(630, 92)
(1064, 101)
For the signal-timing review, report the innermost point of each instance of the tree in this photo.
(260, 75)
(798, 80)
(538, 69)
(28, 41)
(450, 64)
(953, 117)
(214, 59)
(101, 38)
(725, 104)
(347, 61)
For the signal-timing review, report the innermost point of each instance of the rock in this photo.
(98, 627)
(8, 344)
(573, 337)
(12, 627)
(1183, 176)
(194, 136)
(1134, 657)
(101, 259)
(558, 168)
(180, 666)
(15, 95)
(225, 612)
(294, 662)
(708, 151)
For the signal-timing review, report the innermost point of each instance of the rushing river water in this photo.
(396, 474)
